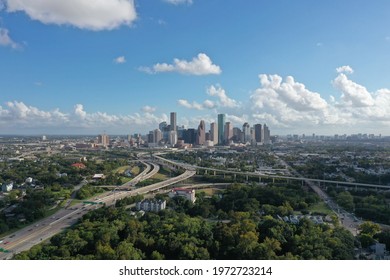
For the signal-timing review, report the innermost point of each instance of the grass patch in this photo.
(135, 170)
(121, 169)
(125, 179)
(210, 191)
(320, 207)
(160, 176)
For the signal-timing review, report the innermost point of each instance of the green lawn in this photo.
(320, 207)
(160, 176)
(121, 169)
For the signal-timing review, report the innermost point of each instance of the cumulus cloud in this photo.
(85, 14)
(16, 116)
(5, 39)
(352, 93)
(224, 100)
(148, 109)
(207, 104)
(199, 65)
(120, 60)
(178, 2)
(288, 104)
(344, 69)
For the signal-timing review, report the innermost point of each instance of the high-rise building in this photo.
(104, 140)
(201, 134)
(266, 135)
(162, 125)
(214, 133)
(173, 138)
(236, 134)
(246, 130)
(173, 121)
(258, 132)
(189, 136)
(157, 135)
(228, 132)
(221, 128)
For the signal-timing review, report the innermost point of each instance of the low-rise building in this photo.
(188, 194)
(151, 205)
(79, 165)
(7, 187)
(98, 177)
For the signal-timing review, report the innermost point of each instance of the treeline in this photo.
(34, 205)
(369, 205)
(239, 224)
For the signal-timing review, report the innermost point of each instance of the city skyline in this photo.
(299, 67)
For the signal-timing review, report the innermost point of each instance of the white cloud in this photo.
(352, 93)
(200, 65)
(224, 100)
(178, 2)
(291, 106)
(17, 116)
(344, 69)
(5, 39)
(148, 109)
(85, 14)
(207, 104)
(120, 60)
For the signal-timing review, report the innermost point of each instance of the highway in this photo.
(44, 229)
(254, 174)
(348, 220)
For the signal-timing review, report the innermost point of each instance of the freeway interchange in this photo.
(44, 229)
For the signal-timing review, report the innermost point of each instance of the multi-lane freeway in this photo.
(33, 234)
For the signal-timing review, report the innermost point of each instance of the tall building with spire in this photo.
(221, 128)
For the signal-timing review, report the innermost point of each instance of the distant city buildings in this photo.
(222, 132)
(104, 140)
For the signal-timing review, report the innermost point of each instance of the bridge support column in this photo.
(235, 176)
(273, 180)
(259, 179)
(247, 178)
(215, 173)
(224, 175)
(205, 172)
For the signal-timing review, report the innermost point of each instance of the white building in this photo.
(188, 194)
(7, 187)
(151, 205)
(29, 180)
(173, 137)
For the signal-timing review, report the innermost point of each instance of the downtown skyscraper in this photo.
(221, 128)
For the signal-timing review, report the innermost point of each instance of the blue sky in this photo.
(83, 66)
